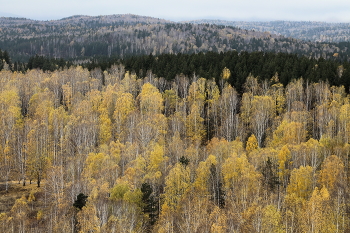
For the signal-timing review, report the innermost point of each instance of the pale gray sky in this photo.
(297, 10)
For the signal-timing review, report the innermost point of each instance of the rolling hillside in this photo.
(303, 30)
(81, 37)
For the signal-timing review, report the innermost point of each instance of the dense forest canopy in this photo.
(112, 152)
(178, 139)
(210, 65)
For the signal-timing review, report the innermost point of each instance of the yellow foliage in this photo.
(195, 129)
(39, 215)
(79, 135)
(95, 164)
(301, 182)
(31, 196)
(220, 148)
(320, 214)
(289, 133)
(156, 164)
(344, 117)
(119, 190)
(332, 175)
(170, 100)
(5, 222)
(115, 151)
(20, 209)
(272, 220)
(95, 99)
(241, 177)
(252, 144)
(129, 82)
(277, 93)
(294, 133)
(203, 175)
(261, 113)
(284, 162)
(124, 107)
(151, 100)
(134, 197)
(87, 219)
(135, 172)
(197, 93)
(177, 184)
(105, 127)
(218, 219)
(156, 158)
(226, 74)
(246, 109)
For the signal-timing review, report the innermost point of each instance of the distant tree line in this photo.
(47, 64)
(263, 65)
(80, 38)
(302, 30)
(259, 64)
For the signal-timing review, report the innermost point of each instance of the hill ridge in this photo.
(81, 37)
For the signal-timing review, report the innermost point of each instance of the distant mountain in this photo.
(84, 20)
(5, 14)
(81, 37)
(303, 30)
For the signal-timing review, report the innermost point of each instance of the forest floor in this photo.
(15, 191)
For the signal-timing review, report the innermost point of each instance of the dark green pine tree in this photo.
(150, 204)
(80, 202)
(269, 172)
(184, 161)
(215, 186)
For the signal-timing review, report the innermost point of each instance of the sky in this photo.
(179, 10)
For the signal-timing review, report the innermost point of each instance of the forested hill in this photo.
(212, 141)
(81, 37)
(85, 21)
(303, 30)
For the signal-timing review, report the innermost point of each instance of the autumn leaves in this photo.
(188, 155)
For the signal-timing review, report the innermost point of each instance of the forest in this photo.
(83, 37)
(126, 123)
(119, 150)
(303, 30)
(210, 65)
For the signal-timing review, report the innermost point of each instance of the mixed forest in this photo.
(303, 30)
(83, 37)
(209, 141)
(132, 154)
